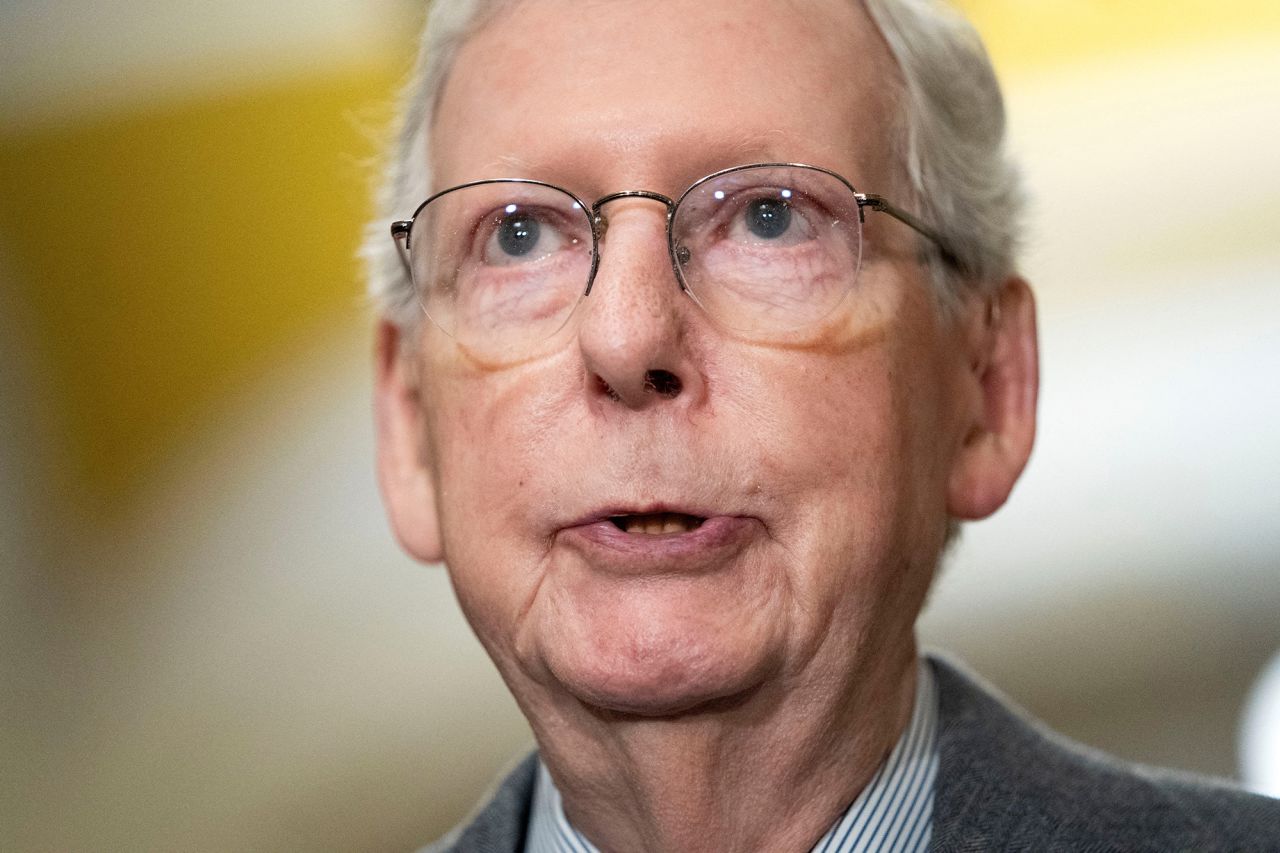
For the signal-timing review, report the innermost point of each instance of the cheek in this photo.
(493, 439)
(851, 456)
(493, 435)
(834, 433)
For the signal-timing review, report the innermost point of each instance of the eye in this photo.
(773, 218)
(768, 218)
(518, 234)
(521, 236)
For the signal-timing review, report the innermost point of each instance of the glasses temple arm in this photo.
(400, 234)
(882, 205)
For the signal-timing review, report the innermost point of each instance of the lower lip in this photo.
(694, 550)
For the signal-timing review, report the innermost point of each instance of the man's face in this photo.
(820, 467)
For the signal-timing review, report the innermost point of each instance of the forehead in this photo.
(600, 93)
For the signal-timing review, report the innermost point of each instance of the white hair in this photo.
(951, 135)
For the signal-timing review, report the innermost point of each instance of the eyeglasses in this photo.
(766, 250)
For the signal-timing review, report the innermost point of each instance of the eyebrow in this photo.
(712, 155)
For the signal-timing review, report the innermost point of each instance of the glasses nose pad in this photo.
(682, 255)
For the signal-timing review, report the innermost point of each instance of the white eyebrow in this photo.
(516, 165)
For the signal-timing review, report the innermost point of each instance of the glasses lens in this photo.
(500, 265)
(768, 250)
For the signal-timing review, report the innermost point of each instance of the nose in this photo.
(634, 334)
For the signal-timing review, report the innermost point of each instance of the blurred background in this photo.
(208, 640)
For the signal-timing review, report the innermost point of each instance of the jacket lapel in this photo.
(499, 824)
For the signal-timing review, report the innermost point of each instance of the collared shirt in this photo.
(894, 812)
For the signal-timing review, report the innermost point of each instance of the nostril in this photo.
(663, 382)
(606, 389)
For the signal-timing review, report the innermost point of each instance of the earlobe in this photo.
(404, 476)
(1005, 374)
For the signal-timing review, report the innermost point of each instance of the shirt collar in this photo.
(893, 812)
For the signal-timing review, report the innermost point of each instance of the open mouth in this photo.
(657, 523)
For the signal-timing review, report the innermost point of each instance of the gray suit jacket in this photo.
(1005, 782)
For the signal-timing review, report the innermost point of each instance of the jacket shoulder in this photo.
(1006, 782)
(497, 825)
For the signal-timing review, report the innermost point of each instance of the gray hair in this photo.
(951, 133)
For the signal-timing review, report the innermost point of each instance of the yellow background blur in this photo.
(210, 641)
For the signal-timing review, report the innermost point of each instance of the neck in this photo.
(772, 772)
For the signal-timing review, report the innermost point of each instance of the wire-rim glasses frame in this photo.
(402, 230)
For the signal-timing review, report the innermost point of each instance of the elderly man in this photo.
(701, 332)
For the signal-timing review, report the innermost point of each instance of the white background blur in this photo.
(208, 640)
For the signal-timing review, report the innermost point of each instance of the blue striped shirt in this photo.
(894, 812)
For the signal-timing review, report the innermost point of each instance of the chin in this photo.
(658, 670)
(656, 691)
(656, 646)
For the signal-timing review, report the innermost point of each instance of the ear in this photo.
(404, 475)
(1005, 379)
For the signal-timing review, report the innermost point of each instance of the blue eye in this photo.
(768, 218)
(518, 234)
